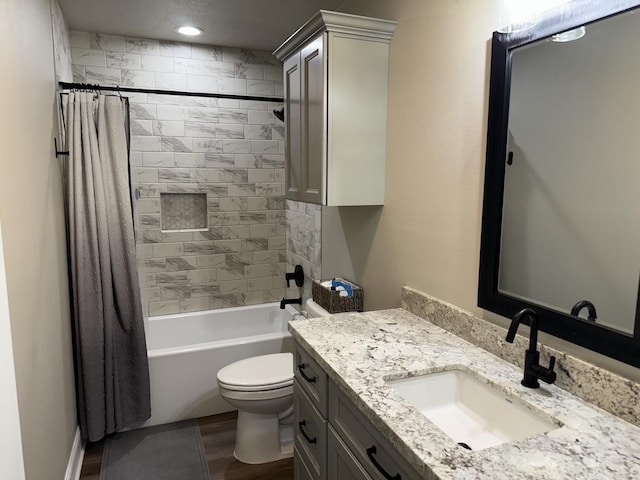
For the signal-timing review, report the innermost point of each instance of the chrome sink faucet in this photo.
(532, 368)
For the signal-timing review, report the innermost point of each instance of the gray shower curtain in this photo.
(112, 373)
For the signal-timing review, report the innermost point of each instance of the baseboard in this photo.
(74, 466)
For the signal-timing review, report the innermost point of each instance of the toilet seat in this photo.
(257, 374)
(256, 388)
(255, 395)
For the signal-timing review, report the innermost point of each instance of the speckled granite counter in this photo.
(359, 351)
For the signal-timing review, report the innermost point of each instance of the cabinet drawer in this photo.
(312, 379)
(310, 433)
(300, 468)
(375, 454)
(342, 465)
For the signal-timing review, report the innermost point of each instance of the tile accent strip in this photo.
(605, 389)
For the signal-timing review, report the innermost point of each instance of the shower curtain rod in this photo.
(87, 86)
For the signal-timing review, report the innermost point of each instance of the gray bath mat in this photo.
(165, 452)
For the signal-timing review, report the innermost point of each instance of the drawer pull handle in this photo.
(371, 451)
(313, 440)
(301, 368)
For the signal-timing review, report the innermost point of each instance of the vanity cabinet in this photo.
(309, 417)
(335, 71)
(333, 439)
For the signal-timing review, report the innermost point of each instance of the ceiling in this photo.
(255, 24)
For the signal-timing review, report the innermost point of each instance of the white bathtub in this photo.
(187, 350)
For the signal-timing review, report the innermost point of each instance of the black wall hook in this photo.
(58, 152)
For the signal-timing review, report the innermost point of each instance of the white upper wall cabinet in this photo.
(335, 88)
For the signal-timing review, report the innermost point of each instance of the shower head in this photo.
(279, 114)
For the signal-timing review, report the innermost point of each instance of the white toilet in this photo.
(261, 388)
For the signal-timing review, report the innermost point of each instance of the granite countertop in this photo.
(360, 350)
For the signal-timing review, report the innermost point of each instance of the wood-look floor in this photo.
(218, 436)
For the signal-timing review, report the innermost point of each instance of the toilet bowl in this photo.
(261, 388)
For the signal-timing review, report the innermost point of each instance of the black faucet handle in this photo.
(547, 375)
(297, 275)
(551, 376)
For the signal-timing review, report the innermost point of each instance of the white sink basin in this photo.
(470, 411)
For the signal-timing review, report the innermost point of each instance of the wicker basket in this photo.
(332, 302)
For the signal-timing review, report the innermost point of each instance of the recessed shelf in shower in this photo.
(181, 212)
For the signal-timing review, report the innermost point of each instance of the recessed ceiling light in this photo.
(189, 30)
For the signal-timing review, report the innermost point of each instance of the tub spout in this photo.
(289, 301)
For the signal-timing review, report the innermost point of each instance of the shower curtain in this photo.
(112, 374)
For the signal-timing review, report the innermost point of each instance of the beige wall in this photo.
(428, 236)
(34, 239)
(429, 231)
(11, 460)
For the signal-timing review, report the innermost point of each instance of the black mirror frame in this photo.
(585, 333)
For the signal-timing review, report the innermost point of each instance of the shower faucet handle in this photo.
(297, 275)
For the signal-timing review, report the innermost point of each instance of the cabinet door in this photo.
(341, 464)
(300, 469)
(376, 455)
(311, 378)
(292, 105)
(310, 431)
(313, 93)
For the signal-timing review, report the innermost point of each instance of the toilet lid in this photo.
(270, 371)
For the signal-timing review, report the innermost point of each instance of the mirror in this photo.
(571, 216)
(561, 217)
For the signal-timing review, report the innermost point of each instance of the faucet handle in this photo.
(297, 275)
(547, 375)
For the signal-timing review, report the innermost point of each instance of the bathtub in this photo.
(187, 350)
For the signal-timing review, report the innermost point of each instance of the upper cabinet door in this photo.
(338, 111)
(313, 121)
(292, 108)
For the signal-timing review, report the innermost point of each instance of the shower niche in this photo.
(180, 212)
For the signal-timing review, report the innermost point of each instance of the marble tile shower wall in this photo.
(304, 227)
(233, 150)
(61, 44)
(146, 63)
